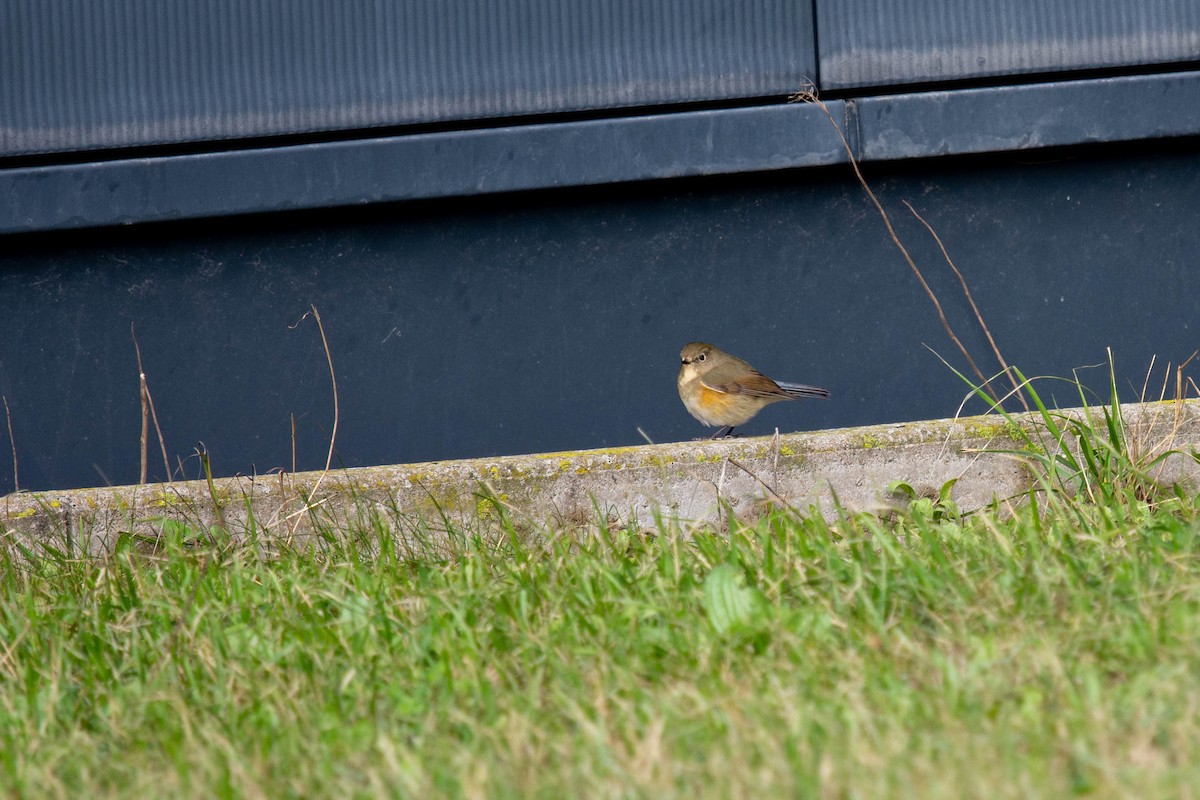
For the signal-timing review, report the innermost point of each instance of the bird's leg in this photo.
(723, 432)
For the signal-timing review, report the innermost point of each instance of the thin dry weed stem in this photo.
(1018, 389)
(762, 483)
(10, 663)
(1146, 382)
(979, 452)
(1143, 453)
(12, 443)
(721, 492)
(809, 95)
(308, 507)
(148, 414)
(775, 447)
(971, 300)
(218, 509)
(279, 515)
(1181, 385)
(316, 315)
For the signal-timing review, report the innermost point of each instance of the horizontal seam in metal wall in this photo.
(583, 153)
(419, 166)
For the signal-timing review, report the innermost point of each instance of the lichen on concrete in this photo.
(686, 480)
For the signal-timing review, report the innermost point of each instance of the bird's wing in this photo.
(752, 383)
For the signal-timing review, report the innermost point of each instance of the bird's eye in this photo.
(700, 357)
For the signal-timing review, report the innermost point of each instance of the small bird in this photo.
(720, 389)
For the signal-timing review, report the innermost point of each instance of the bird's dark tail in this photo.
(800, 390)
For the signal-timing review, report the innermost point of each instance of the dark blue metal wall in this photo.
(82, 74)
(475, 200)
(553, 321)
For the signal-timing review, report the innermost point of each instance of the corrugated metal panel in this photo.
(81, 74)
(871, 43)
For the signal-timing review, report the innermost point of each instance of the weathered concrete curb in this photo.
(686, 480)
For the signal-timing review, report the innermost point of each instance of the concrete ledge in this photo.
(687, 481)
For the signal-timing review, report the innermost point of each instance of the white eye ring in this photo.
(700, 357)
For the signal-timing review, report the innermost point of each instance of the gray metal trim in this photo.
(1028, 117)
(418, 166)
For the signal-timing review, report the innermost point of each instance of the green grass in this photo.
(1040, 648)
(1047, 652)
